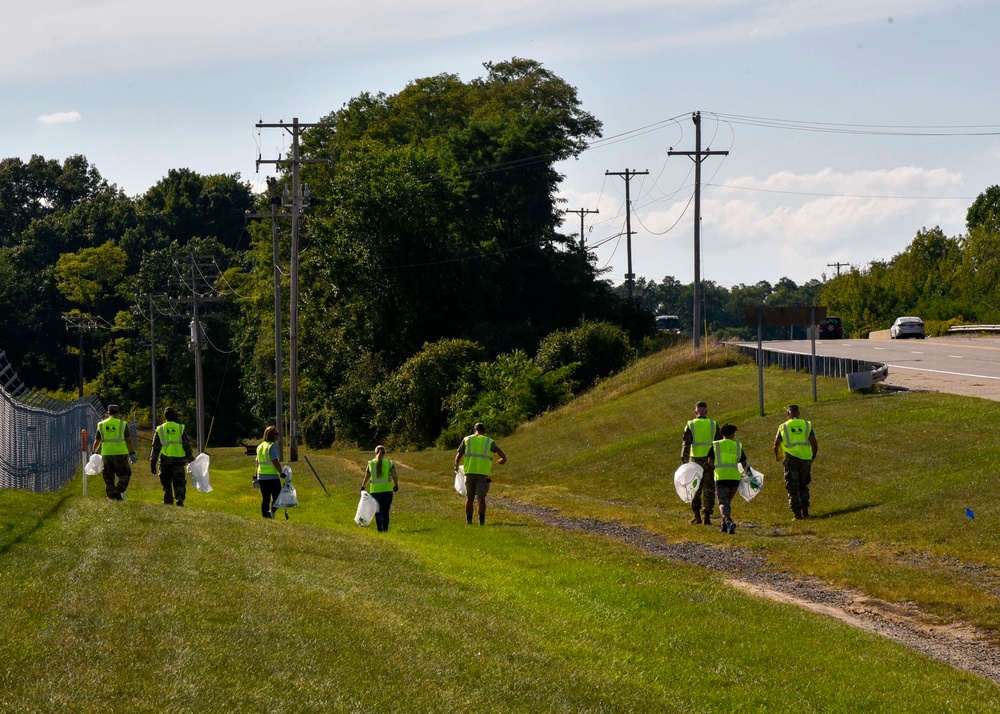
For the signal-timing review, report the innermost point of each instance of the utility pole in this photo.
(279, 372)
(299, 199)
(82, 324)
(582, 212)
(197, 275)
(152, 345)
(838, 266)
(629, 276)
(698, 156)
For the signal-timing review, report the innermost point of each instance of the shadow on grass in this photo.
(845, 511)
(42, 520)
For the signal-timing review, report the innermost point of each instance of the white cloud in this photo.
(60, 118)
(63, 37)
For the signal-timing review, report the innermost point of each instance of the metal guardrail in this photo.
(40, 444)
(974, 328)
(825, 366)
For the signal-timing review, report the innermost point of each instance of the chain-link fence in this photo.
(40, 437)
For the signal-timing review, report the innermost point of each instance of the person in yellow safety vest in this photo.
(114, 443)
(381, 475)
(725, 455)
(797, 440)
(699, 434)
(172, 449)
(268, 474)
(476, 450)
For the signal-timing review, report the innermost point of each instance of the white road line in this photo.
(878, 348)
(955, 356)
(941, 371)
(916, 353)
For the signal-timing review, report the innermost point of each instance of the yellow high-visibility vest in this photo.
(727, 459)
(381, 481)
(477, 456)
(112, 432)
(703, 432)
(264, 465)
(795, 438)
(171, 439)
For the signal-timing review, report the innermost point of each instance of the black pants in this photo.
(384, 500)
(269, 490)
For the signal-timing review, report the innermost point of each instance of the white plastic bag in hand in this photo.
(367, 508)
(199, 473)
(687, 478)
(95, 465)
(286, 472)
(750, 484)
(460, 481)
(286, 497)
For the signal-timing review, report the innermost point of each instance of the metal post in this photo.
(279, 376)
(812, 332)
(152, 359)
(293, 327)
(760, 359)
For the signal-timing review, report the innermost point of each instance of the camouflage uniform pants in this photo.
(726, 490)
(173, 478)
(798, 474)
(116, 467)
(705, 495)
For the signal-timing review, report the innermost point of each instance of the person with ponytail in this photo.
(380, 477)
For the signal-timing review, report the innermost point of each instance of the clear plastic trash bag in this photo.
(95, 465)
(199, 473)
(286, 472)
(367, 508)
(751, 483)
(687, 479)
(460, 481)
(286, 497)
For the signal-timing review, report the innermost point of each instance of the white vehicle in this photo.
(907, 327)
(668, 323)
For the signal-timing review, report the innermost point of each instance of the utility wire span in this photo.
(843, 195)
(867, 129)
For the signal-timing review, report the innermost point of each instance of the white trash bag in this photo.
(95, 465)
(287, 497)
(367, 508)
(751, 483)
(687, 479)
(286, 473)
(199, 473)
(460, 481)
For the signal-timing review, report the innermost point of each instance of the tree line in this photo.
(435, 287)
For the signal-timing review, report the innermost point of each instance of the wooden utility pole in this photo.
(698, 156)
(582, 212)
(299, 199)
(838, 266)
(629, 276)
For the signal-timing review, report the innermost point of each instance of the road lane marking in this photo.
(956, 356)
(940, 371)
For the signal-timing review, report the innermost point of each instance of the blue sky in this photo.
(882, 117)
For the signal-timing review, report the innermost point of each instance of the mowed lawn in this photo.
(136, 606)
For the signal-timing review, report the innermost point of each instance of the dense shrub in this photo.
(594, 350)
(410, 405)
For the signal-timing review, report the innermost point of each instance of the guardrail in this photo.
(974, 328)
(825, 366)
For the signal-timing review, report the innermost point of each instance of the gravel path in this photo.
(959, 646)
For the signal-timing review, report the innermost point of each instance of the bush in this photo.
(502, 394)
(410, 405)
(594, 350)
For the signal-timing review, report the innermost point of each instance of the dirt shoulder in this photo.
(959, 646)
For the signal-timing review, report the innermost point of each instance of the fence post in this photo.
(83, 459)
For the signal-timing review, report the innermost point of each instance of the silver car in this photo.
(907, 327)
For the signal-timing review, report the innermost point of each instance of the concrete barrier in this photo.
(879, 335)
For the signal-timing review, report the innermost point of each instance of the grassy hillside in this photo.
(137, 606)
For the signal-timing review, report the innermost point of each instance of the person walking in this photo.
(114, 443)
(381, 475)
(268, 474)
(476, 450)
(724, 457)
(699, 434)
(796, 440)
(173, 451)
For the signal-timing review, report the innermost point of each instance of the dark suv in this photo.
(831, 329)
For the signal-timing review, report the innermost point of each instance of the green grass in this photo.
(137, 606)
